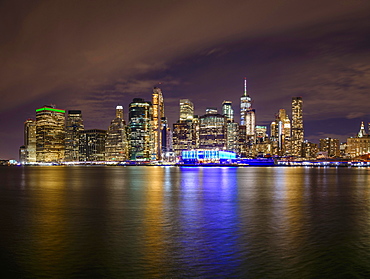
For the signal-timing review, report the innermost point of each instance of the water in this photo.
(169, 222)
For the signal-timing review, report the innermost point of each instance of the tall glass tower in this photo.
(140, 121)
(297, 127)
(50, 134)
(30, 140)
(186, 110)
(116, 144)
(247, 113)
(158, 116)
(74, 125)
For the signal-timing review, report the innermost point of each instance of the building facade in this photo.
(297, 127)
(157, 125)
(140, 130)
(92, 145)
(330, 146)
(116, 143)
(29, 141)
(74, 125)
(212, 131)
(50, 134)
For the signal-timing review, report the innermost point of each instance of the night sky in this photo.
(92, 55)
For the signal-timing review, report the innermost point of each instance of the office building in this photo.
(247, 113)
(359, 145)
(186, 110)
(92, 145)
(29, 152)
(74, 125)
(158, 116)
(330, 147)
(212, 131)
(140, 135)
(228, 111)
(280, 134)
(116, 143)
(297, 127)
(50, 134)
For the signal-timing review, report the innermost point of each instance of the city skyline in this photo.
(93, 56)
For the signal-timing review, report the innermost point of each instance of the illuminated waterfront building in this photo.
(158, 116)
(309, 150)
(92, 145)
(50, 134)
(186, 110)
(185, 132)
(232, 128)
(280, 134)
(29, 141)
(247, 119)
(182, 137)
(228, 111)
(140, 135)
(297, 127)
(262, 146)
(360, 145)
(330, 147)
(212, 131)
(242, 139)
(74, 125)
(116, 144)
(247, 113)
(22, 154)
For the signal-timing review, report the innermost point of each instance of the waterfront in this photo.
(178, 222)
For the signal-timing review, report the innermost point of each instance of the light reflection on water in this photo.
(170, 222)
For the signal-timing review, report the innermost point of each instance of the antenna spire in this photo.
(245, 86)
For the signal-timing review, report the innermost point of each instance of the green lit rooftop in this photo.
(50, 109)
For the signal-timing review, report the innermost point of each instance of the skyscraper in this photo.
(247, 113)
(297, 127)
(212, 131)
(74, 125)
(330, 146)
(280, 134)
(30, 141)
(186, 110)
(227, 110)
(50, 134)
(92, 145)
(116, 144)
(158, 116)
(140, 137)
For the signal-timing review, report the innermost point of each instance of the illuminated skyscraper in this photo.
(330, 146)
(280, 134)
(158, 115)
(247, 113)
(140, 136)
(212, 131)
(185, 133)
(297, 127)
(232, 128)
(92, 145)
(74, 125)
(227, 110)
(50, 134)
(30, 141)
(359, 145)
(186, 110)
(116, 144)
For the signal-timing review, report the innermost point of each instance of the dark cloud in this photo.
(94, 54)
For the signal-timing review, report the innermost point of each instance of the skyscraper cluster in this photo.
(57, 136)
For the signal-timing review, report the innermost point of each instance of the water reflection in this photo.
(185, 222)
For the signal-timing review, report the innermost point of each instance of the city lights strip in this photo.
(51, 109)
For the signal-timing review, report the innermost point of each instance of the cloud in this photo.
(58, 44)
